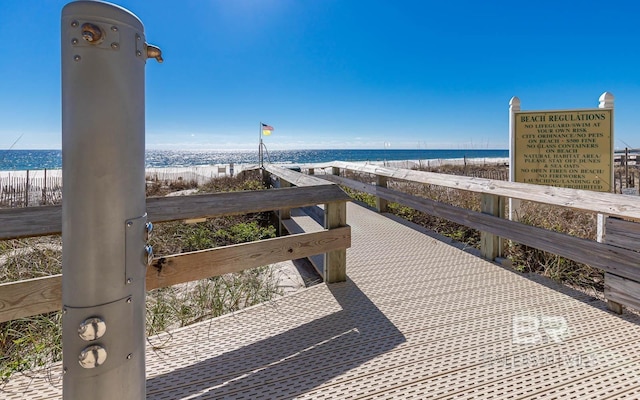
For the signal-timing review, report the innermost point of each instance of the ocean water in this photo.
(18, 160)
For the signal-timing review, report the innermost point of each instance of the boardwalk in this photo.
(417, 319)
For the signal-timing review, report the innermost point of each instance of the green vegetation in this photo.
(33, 342)
(524, 258)
(181, 305)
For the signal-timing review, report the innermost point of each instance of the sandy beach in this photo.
(202, 173)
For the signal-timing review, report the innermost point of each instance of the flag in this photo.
(266, 129)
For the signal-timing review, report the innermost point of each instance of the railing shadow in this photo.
(290, 363)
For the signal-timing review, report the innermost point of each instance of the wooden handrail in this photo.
(605, 203)
(334, 268)
(618, 256)
(610, 258)
(295, 178)
(36, 296)
(40, 221)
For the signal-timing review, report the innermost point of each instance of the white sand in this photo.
(204, 173)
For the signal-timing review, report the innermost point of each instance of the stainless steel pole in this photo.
(104, 227)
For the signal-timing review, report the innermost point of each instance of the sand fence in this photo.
(43, 187)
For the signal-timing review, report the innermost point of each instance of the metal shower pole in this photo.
(104, 226)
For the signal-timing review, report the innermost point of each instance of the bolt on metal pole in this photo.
(104, 226)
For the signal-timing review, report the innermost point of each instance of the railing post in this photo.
(284, 213)
(335, 262)
(266, 178)
(381, 204)
(491, 245)
(104, 228)
(311, 171)
(606, 102)
(514, 204)
(335, 171)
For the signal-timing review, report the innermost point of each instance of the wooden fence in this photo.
(618, 255)
(24, 191)
(44, 187)
(40, 295)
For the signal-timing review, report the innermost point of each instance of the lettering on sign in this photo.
(570, 149)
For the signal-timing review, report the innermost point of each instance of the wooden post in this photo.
(284, 213)
(381, 204)
(311, 171)
(606, 101)
(620, 291)
(266, 178)
(491, 245)
(626, 166)
(335, 261)
(335, 171)
(26, 191)
(44, 188)
(514, 204)
(612, 305)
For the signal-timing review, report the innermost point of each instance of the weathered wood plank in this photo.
(180, 268)
(30, 297)
(234, 203)
(317, 260)
(381, 204)
(30, 221)
(612, 259)
(295, 178)
(285, 213)
(490, 245)
(621, 290)
(335, 261)
(36, 296)
(606, 203)
(40, 221)
(622, 233)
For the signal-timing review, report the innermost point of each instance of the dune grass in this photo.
(33, 342)
(524, 258)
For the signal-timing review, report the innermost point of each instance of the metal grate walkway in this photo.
(417, 319)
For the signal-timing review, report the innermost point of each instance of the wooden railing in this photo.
(332, 266)
(41, 295)
(618, 254)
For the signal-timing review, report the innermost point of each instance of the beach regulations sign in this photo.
(570, 148)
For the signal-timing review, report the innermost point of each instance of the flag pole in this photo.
(260, 156)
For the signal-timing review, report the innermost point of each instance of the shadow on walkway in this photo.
(291, 363)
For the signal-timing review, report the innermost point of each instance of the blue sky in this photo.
(340, 73)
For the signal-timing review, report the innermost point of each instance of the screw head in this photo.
(74, 24)
(74, 41)
(129, 280)
(138, 53)
(129, 224)
(115, 45)
(129, 356)
(129, 300)
(77, 58)
(114, 28)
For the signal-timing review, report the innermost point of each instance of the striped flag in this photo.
(266, 129)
